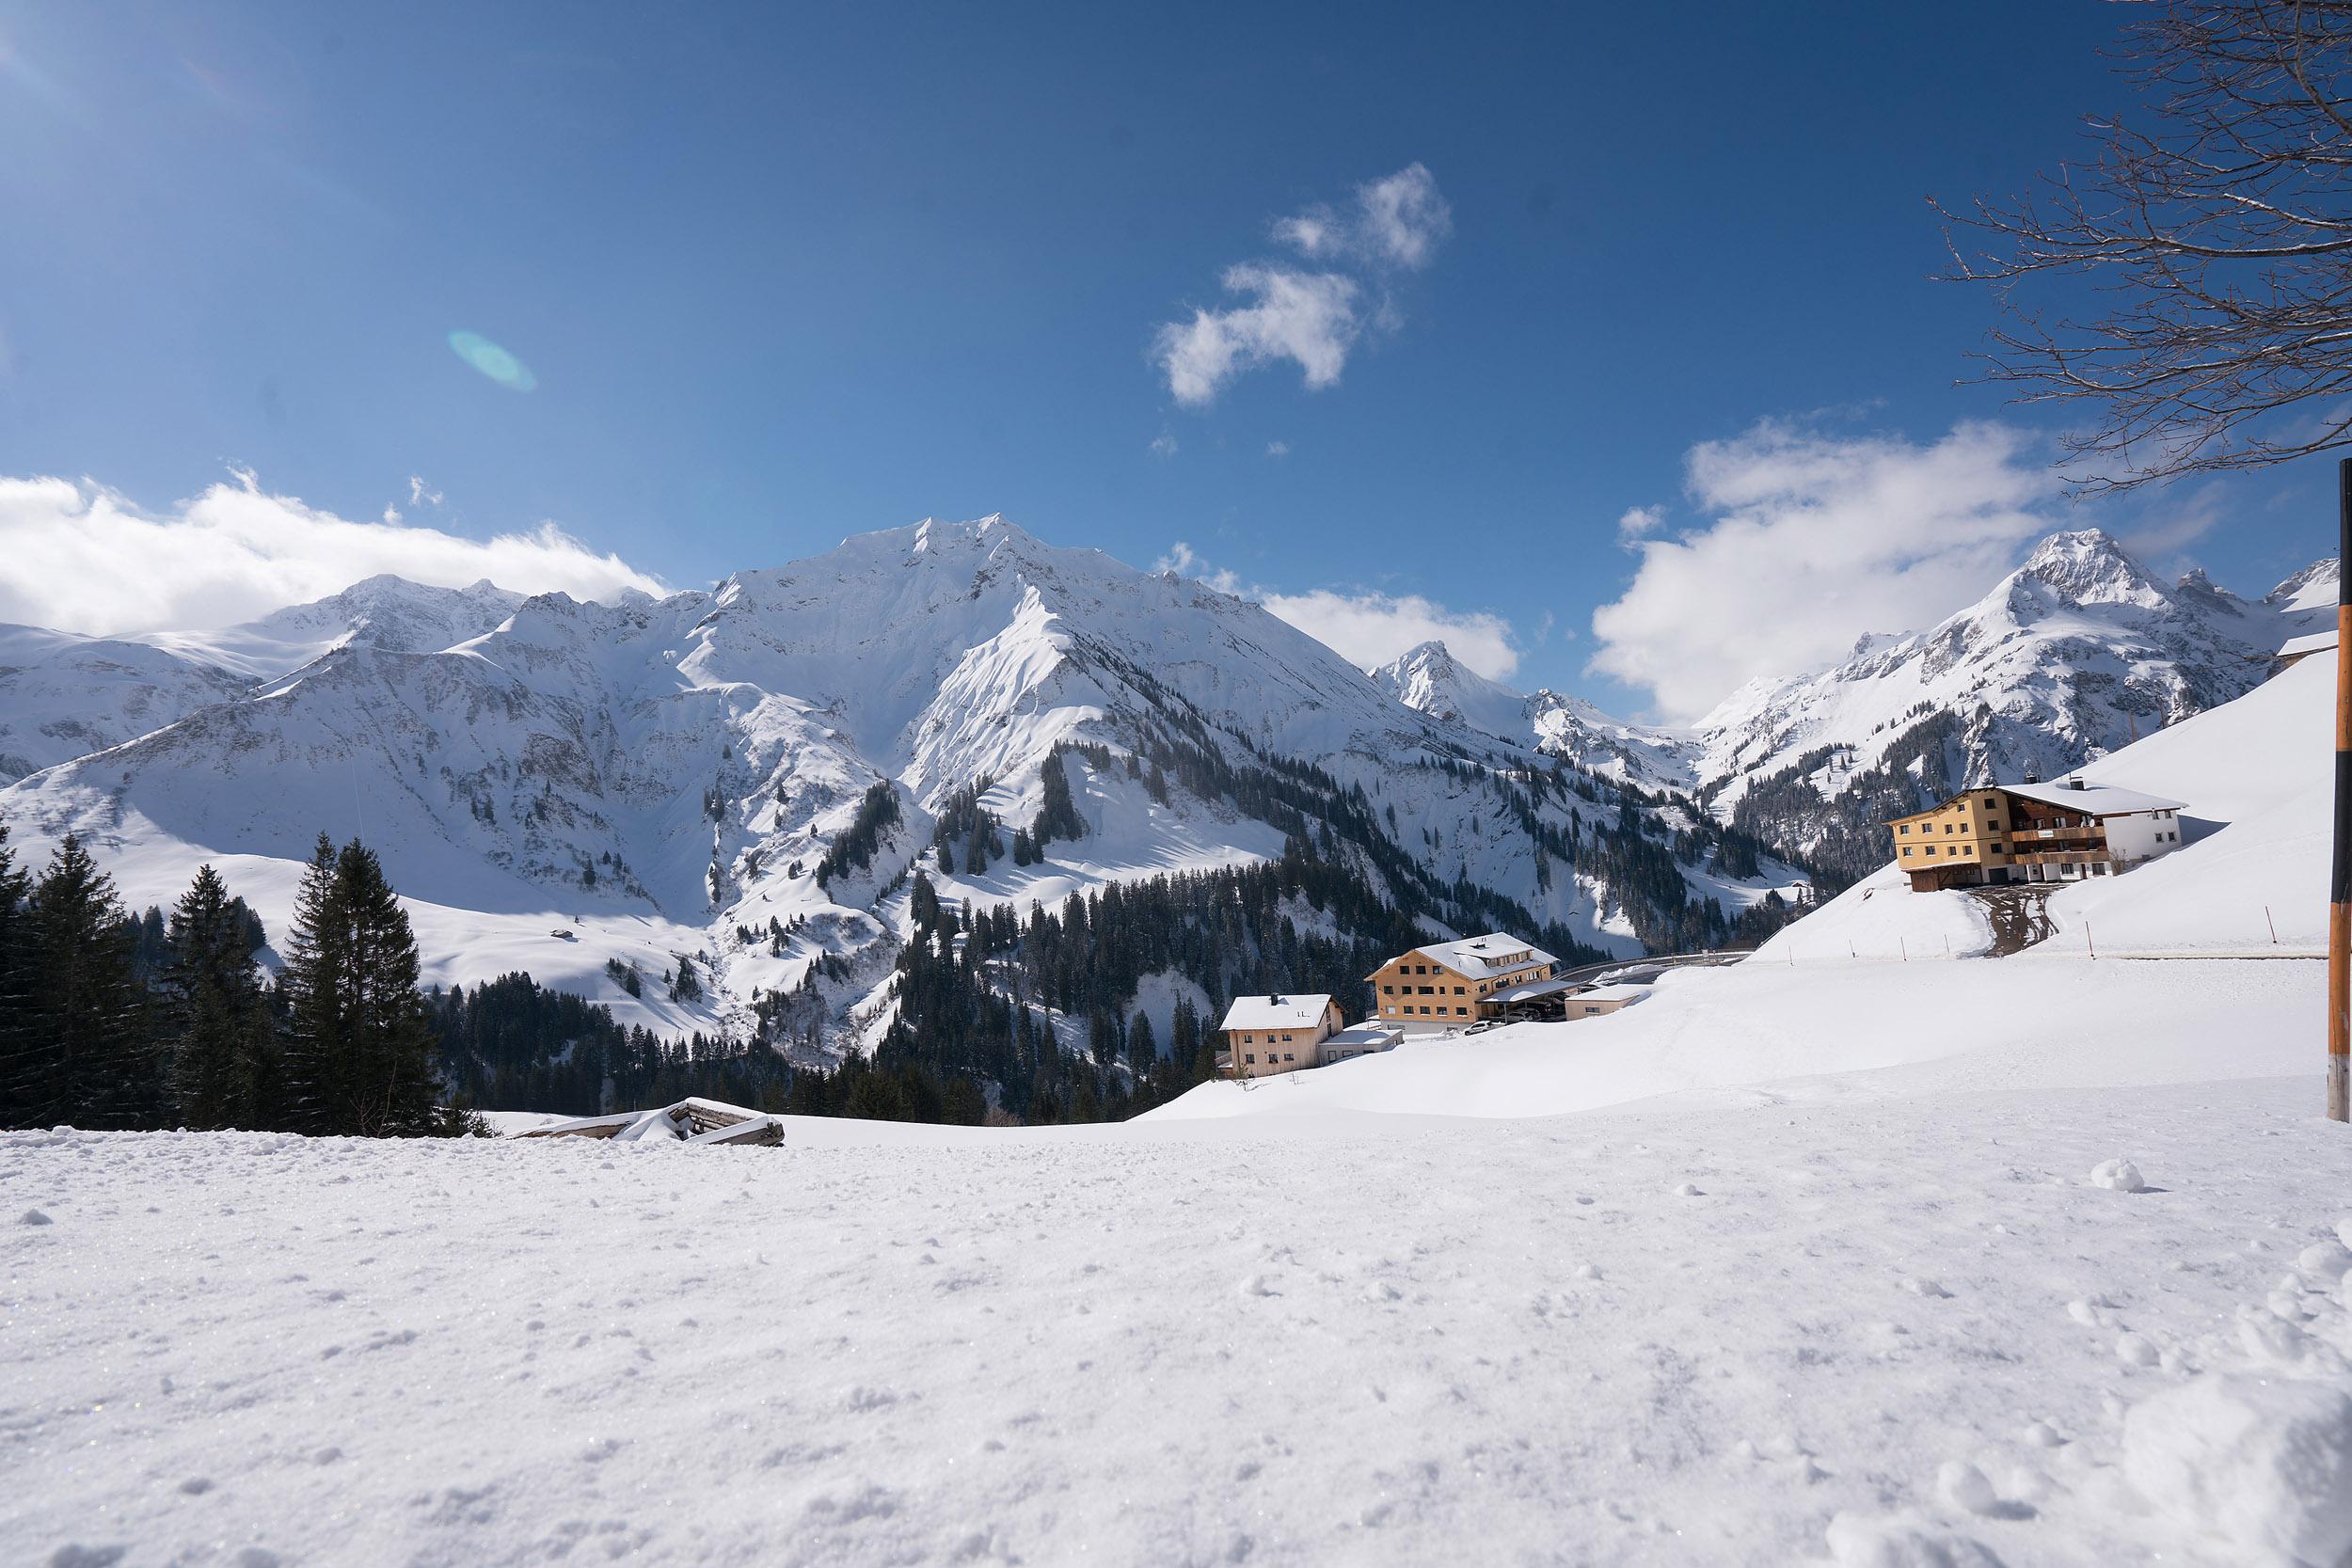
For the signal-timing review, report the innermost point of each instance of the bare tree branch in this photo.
(2219, 238)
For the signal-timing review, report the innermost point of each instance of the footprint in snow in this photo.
(1927, 1288)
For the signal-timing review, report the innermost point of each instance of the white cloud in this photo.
(1639, 521)
(1306, 317)
(1313, 318)
(81, 558)
(1404, 216)
(1365, 626)
(1163, 445)
(1398, 221)
(1277, 449)
(1815, 541)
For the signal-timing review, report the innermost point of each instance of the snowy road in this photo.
(1622, 1338)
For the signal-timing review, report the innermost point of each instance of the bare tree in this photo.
(2218, 235)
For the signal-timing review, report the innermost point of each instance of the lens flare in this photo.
(492, 361)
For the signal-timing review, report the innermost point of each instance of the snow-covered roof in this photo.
(1532, 988)
(1625, 990)
(1275, 1012)
(1482, 955)
(2315, 642)
(2093, 799)
(1366, 1036)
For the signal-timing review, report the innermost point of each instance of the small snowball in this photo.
(1588, 1271)
(34, 1216)
(2324, 1260)
(2135, 1350)
(1964, 1488)
(2119, 1175)
(2042, 1434)
(2083, 1313)
(2343, 1230)
(1687, 1190)
(2266, 1463)
(1258, 1285)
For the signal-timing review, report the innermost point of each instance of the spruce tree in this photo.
(310, 991)
(395, 1079)
(217, 1026)
(89, 1058)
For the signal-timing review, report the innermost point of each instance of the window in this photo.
(1904, 828)
(1906, 849)
(1387, 1006)
(1459, 991)
(1251, 1058)
(1428, 990)
(1999, 849)
(1288, 1057)
(1930, 851)
(1388, 991)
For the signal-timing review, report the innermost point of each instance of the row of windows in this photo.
(1252, 1039)
(1251, 1057)
(1407, 1008)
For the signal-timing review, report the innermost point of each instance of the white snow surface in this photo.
(1768, 1332)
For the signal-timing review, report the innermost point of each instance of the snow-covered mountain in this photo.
(63, 696)
(2074, 655)
(2077, 653)
(381, 611)
(1430, 679)
(746, 776)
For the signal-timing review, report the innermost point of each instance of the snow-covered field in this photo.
(1866, 1330)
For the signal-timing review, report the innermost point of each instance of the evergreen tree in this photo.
(218, 1028)
(87, 1056)
(20, 1070)
(361, 1062)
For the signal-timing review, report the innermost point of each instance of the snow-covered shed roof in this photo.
(1624, 990)
(1530, 989)
(2093, 799)
(2313, 643)
(1366, 1036)
(1275, 1012)
(1482, 955)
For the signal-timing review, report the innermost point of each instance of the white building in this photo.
(1278, 1034)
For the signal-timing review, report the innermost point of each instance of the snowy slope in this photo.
(663, 779)
(1873, 1332)
(63, 696)
(383, 611)
(1883, 978)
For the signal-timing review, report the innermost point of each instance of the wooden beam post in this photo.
(2340, 875)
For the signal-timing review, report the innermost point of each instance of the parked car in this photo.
(1480, 1027)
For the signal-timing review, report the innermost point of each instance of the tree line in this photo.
(119, 1023)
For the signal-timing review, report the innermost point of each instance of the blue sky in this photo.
(781, 275)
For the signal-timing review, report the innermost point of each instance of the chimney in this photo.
(2073, 781)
